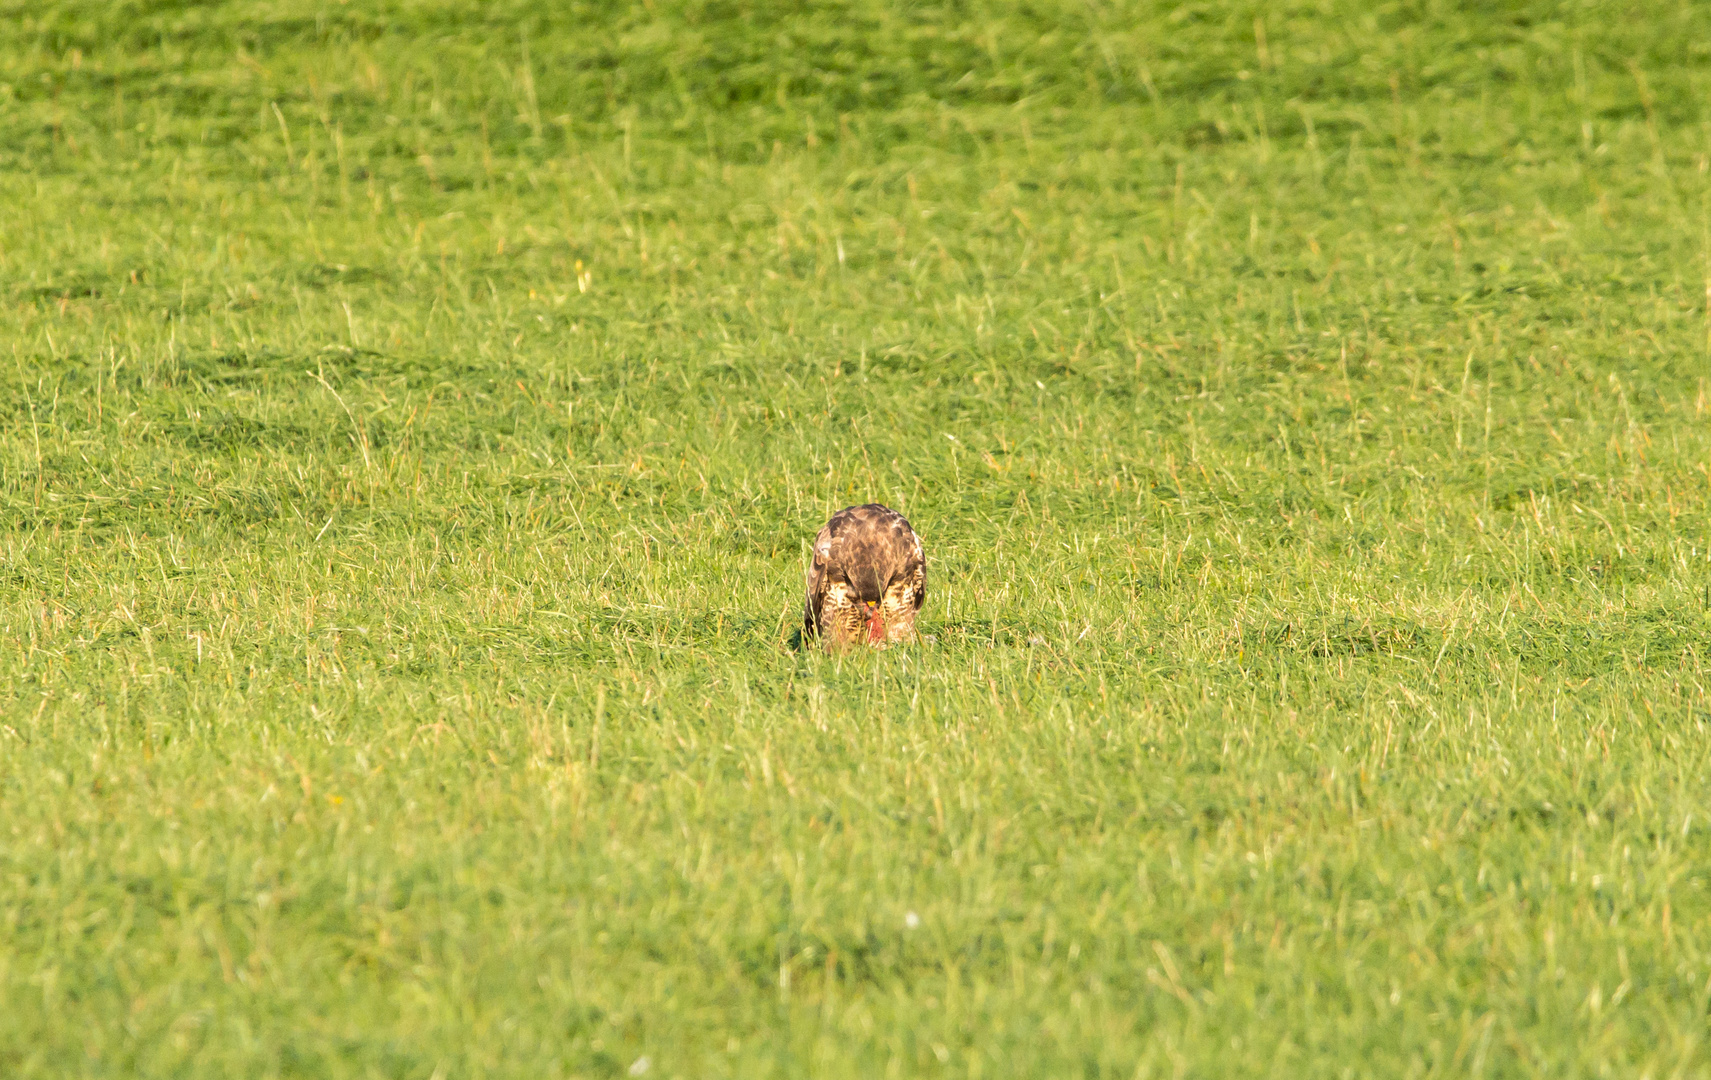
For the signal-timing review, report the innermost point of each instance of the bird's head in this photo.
(875, 622)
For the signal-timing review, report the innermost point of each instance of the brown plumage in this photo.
(868, 578)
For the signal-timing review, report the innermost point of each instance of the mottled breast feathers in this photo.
(867, 580)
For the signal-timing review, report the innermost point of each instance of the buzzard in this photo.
(868, 578)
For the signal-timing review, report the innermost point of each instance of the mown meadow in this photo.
(416, 414)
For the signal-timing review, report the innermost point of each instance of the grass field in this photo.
(416, 415)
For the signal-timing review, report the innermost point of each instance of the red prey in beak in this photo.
(875, 624)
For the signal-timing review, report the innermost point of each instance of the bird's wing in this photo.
(915, 569)
(817, 581)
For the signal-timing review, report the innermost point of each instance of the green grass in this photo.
(416, 415)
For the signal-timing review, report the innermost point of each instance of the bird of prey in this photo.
(868, 578)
